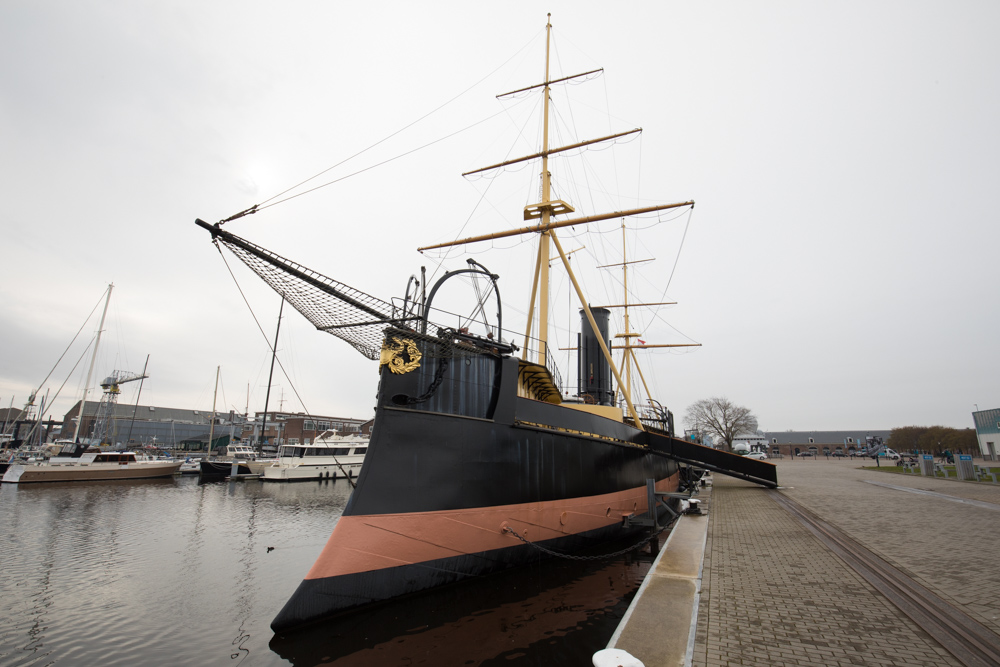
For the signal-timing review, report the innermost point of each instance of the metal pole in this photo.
(137, 395)
(267, 396)
(93, 360)
(6, 417)
(211, 426)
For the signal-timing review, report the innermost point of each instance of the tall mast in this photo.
(543, 242)
(93, 360)
(270, 377)
(543, 214)
(211, 426)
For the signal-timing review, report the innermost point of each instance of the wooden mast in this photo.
(546, 210)
(556, 225)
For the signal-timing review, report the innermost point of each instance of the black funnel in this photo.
(593, 371)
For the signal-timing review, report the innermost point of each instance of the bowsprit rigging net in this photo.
(330, 305)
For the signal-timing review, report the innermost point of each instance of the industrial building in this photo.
(131, 426)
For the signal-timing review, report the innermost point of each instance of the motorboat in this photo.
(242, 455)
(91, 466)
(328, 457)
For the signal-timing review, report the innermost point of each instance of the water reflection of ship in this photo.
(244, 581)
(559, 612)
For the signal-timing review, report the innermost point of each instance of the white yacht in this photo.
(329, 457)
(92, 465)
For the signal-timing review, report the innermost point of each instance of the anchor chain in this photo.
(644, 542)
(438, 378)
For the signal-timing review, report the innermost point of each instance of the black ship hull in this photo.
(448, 477)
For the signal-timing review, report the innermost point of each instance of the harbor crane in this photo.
(104, 430)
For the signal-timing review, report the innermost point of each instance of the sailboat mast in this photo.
(211, 426)
(41, 416)
(543, 242)
(136, 408)
(270, 376)
(93, 360)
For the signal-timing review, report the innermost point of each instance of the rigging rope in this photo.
(266, 203)
(59, 391)
(260, 207)
(308, 413)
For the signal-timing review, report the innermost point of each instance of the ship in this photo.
(478, 459)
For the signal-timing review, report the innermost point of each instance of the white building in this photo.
(988, 432)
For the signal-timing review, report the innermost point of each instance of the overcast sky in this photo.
(839, 268)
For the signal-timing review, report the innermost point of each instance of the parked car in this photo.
(838, 454)
(889, 454)
(804, 454)
(760, 456)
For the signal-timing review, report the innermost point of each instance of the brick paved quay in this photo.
(772, 594)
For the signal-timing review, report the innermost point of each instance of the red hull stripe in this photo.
(375, 542)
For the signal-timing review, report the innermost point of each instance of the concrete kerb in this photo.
(641, 630)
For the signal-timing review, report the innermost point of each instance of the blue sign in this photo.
(928, 457)
(964, 457)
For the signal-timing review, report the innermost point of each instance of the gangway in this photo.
(724, 463)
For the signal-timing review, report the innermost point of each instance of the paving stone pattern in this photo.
(949, 547)
(772, 594)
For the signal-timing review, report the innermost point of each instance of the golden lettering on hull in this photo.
(399, 354)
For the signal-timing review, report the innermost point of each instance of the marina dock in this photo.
(839, 566)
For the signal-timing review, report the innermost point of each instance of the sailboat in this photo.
(477, 460)
(82, 462)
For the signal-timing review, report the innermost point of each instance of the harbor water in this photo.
(180, 571)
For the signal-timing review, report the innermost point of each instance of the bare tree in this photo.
(721, 418)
